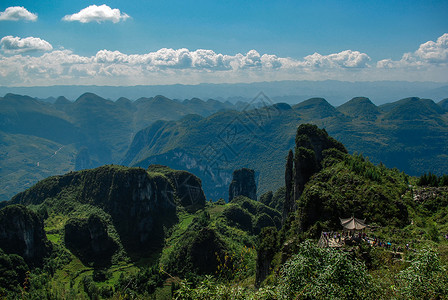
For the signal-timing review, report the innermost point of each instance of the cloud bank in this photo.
(17, 13)
(97, 14)
(168, 66)
(13, 45)
(428, 54)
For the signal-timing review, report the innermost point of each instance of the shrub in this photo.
(425, 278)
(238, 217)
(263, 221)
(316, 273)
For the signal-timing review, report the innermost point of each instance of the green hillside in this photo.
(360, 108)
(133, 233)
(111, 225)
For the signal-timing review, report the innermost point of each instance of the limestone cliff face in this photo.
(215, 181)
(99, 238)
(140, 203)
(187, 187)
(22, 232)
(311, 144)
(83, 160)
(243, 184)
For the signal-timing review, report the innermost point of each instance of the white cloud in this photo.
(13, 45)
(97, 14)
(428, 54)
(344, 59)
(17, 13)
(167, 66)
(434, 52)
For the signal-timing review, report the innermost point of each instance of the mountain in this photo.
(25, 115)
(410, 134)
(444, 104)
(410, 109)
(138, 203)
(289, 91)
(316, 108)
(117, 231)
(209, 138)
(39, 139)
(360, 108)
(213, 147)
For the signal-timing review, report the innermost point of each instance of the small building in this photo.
(353, 224)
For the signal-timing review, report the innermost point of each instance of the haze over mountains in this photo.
(292, 92)
(40, 139)
(209, 138)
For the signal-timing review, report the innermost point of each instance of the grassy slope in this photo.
(20, 155)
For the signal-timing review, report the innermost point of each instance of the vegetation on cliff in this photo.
(119, 232)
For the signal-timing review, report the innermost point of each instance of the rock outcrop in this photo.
(311, 146)
(187, 187)
(243, 184)
(22, 232)
(140, 203)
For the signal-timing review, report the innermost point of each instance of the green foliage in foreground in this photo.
(13, 271)
(425, 278)
(353, 186)
(324, 273)
(316, 273)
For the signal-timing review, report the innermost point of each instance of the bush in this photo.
(316, 273)
(13, 271)
(263, 221)
(425, 278)
(238, 217)
(221, 201)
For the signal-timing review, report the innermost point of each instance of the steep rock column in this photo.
(243, 184)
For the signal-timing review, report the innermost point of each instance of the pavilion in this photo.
(353, 224)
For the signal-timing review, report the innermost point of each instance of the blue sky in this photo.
(286, 32)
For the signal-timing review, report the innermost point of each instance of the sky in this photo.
(189, 42)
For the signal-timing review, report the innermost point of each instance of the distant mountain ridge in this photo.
(39, 139)
(410, 134)
(289, 91)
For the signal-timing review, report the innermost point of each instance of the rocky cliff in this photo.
(140, 203)
(243, 184)
(311, 144)
(22, 232)
(188, 187)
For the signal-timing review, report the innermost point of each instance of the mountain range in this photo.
(117, 231)
(39, 139)
(209, 138)
(410, 134)
(288, 91)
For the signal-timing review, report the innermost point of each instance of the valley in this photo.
(131, 232)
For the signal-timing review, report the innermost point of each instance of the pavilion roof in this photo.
(353, 223)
